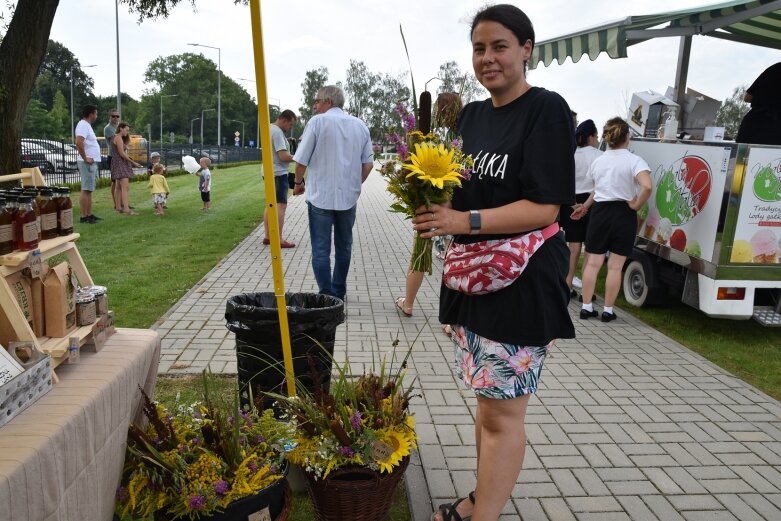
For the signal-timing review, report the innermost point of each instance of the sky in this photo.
(301, 35)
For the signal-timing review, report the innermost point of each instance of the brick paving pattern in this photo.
(627, 425)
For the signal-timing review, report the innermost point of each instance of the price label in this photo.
(260, 515)
(381, 450)
(35, 264)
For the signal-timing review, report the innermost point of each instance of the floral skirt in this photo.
(496, 370)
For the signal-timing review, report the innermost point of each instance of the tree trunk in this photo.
(21, 54)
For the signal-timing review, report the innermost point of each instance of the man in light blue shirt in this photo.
(336, 151)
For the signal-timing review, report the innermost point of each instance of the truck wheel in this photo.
(640, 288)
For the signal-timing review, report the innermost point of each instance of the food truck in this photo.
(711, 228)
(712, 225)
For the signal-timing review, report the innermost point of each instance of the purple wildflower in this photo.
(122, 494)
(221, 487)
(355, 420)
(344, 450)
(252, 467)
(403, 151)
(197, 502)
(466, 174)
(259, 438)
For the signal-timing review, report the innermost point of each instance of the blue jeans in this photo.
(322, 223)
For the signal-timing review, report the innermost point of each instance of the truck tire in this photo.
(641, 286)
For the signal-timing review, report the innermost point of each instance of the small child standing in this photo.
(158, 186)
(205, 182)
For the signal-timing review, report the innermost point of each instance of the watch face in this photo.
(474, 220)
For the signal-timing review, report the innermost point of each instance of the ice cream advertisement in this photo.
(758, 230)
(688, 183)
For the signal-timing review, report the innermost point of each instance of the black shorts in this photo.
(205, 197)
(574, 231)
(612, 227)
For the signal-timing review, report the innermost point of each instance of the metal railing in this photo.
(57, 159)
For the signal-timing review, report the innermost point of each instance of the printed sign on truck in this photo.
(758, 230)
(688, 183)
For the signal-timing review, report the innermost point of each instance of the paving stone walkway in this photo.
(627, 425)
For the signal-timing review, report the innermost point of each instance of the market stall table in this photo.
(61, 458)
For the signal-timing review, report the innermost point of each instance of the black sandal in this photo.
(449, 512)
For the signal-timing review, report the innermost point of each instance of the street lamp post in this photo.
(73, 137)
(219, 74)
(202, 112)
(161, 117)
(116, 24)
(242, 131)
(257, 135)
(191, 129)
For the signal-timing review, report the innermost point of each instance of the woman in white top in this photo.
(587, 139)
(617, 174)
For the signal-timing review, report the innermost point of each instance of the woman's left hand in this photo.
(440, 219)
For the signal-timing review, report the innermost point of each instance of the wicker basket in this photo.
(354, 493)
(23, 390)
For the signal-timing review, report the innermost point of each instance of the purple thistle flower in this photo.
(252, 467)
(221, 487)
(355, 420)
(197, 502)
(467, 174)
(344, 450)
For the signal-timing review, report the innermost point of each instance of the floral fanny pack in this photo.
(488, 266)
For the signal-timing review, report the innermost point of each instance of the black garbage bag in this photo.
(312, 320)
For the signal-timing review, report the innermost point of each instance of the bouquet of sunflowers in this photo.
(429, 166)
(197, 461)
(361, 421)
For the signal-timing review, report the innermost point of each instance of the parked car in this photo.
(32, 158)
(61, 156)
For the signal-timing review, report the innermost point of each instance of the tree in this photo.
(55, 75)
(38, 122)
(314, 80)
(731, 112)
(22, 50)
(454, 80)
(359, 87)
(60, 117)
(388, 92)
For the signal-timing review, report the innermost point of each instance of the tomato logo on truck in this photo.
(683, 190)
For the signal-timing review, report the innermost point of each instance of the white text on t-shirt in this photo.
(483, 165)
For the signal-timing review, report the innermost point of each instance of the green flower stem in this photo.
(421, 255)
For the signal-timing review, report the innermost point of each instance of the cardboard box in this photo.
(59, 291)
(20, 289)
(648, 110)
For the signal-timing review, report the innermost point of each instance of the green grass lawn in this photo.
(742, 347)
(148, 262)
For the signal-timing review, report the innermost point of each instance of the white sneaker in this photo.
(577, 283)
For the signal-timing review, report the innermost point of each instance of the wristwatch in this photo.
(474, 222)
(300, 183)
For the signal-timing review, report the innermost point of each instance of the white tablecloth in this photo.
(61, 458)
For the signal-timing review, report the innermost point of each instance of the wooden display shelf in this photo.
(58, 347)
(47, 248)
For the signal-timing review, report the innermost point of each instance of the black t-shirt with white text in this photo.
(522, 150)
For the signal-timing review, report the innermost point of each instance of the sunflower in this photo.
(433, 163)
(401, 444)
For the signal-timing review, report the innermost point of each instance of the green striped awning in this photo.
(756, 22)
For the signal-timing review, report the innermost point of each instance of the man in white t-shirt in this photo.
(88, 161)
(282, 159)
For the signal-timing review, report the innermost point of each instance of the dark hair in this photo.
(509, 16)
(615, 132)
(86, 110)
(123, 124)
(584, 131)
(287, 115)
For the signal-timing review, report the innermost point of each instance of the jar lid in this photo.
(84, 298)
(95, 290)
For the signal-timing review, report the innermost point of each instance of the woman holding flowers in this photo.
(521, 143)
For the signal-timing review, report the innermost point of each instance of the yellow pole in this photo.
(271, 196)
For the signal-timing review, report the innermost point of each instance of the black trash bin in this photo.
(312, 320)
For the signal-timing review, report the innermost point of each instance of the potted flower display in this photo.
(208, 460)
(352, 442)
